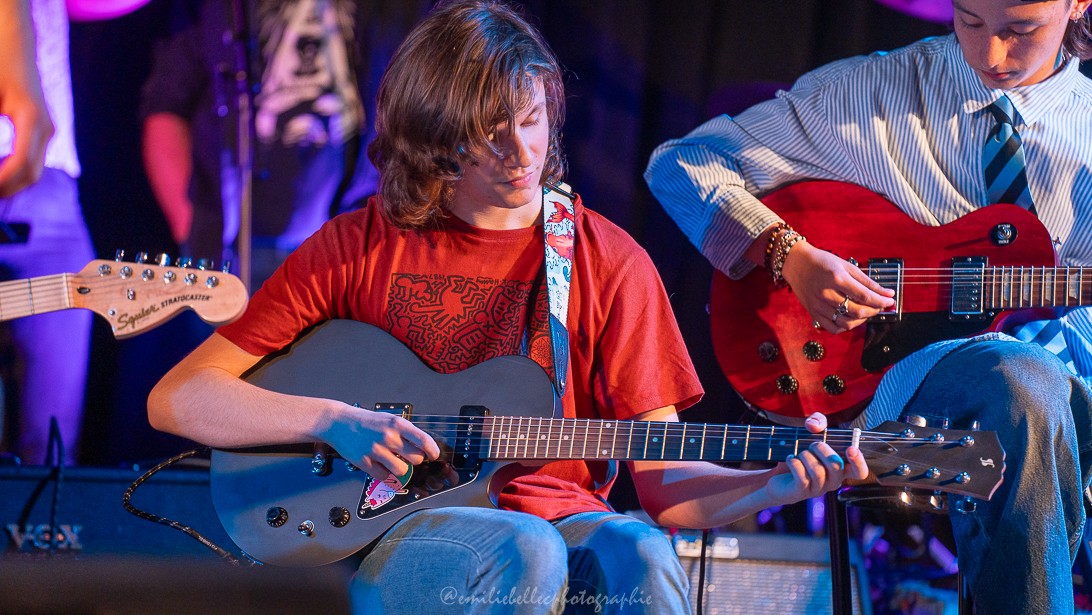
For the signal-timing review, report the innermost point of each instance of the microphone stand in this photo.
(244, 138)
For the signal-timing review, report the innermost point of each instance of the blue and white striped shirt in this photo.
(908, 124)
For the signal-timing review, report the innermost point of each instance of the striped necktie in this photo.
(1003, 159)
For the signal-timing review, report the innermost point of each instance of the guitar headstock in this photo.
(970, 463)
(135, 297)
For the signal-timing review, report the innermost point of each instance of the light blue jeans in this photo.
(1016, 551)
(475, 560)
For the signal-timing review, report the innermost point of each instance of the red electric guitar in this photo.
(132, 297)
(950, 281)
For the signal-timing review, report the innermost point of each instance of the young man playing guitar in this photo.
(449, 258)
(913, 126)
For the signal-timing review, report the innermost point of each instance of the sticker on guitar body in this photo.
(379, 493)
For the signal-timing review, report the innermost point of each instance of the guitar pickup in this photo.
(887, 272)
(968, 282)
(466, 446)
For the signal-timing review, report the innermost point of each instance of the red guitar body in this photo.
(752, 319)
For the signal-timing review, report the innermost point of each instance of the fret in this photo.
(1025, 289)
(629, 442)
(489, 454)
(704, 432)
(599, 442)
(648, 432)
(723, 442)
(521, 437)
(746, 442)
(691, 445)
(572, 439)
(734, 448)
(769, 444)
(784, 441)
(584, 439)
(1008, 284)
(538, 435)
(994, 287)
(614, 440)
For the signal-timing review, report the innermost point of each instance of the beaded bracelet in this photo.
(785, 243)
(778, 229)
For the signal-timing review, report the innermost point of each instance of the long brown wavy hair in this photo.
(465, 69)
(1078, 37)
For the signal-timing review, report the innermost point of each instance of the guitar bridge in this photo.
(968, 280)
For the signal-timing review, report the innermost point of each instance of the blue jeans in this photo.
(54, 346)
(475, 560)
(1016, 551)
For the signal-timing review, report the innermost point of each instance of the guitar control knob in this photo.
(787, 384)
(814, 351)
(276, 516)
(339, 517)
(767, 351)
(834, 385)
(307, 528)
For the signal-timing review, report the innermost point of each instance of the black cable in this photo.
(701, 570)
(56, 443)
(192, 533)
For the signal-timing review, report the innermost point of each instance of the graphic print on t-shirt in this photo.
(308, 96)
(453, 322)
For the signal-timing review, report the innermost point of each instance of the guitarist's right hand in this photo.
(822, 282)
(379, 443)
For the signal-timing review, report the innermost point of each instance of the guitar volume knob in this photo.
(814, 351)
(834, 384)
(786, 384)
(276, 516)
(339, 517)
(767, 351)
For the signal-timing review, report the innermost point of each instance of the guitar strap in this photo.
(559, 234)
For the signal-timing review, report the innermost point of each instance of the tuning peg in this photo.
(204, 264)
(163, 260)
(976, 426)
(916, 420)
(965, 505)
(226, 267)
(141, 257)
(185, 262)
(118, 255)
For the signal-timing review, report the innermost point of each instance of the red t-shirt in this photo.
(460, 295)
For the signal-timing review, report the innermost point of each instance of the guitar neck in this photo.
(533, 438)
(1014, 288)
(39, 295)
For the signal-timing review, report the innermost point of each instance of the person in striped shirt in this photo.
(910, 125)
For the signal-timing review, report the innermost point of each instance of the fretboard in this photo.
(1010, 288)
(513, 437)
(20, 298)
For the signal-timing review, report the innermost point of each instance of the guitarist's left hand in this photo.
(817, 469)
(822, 282)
